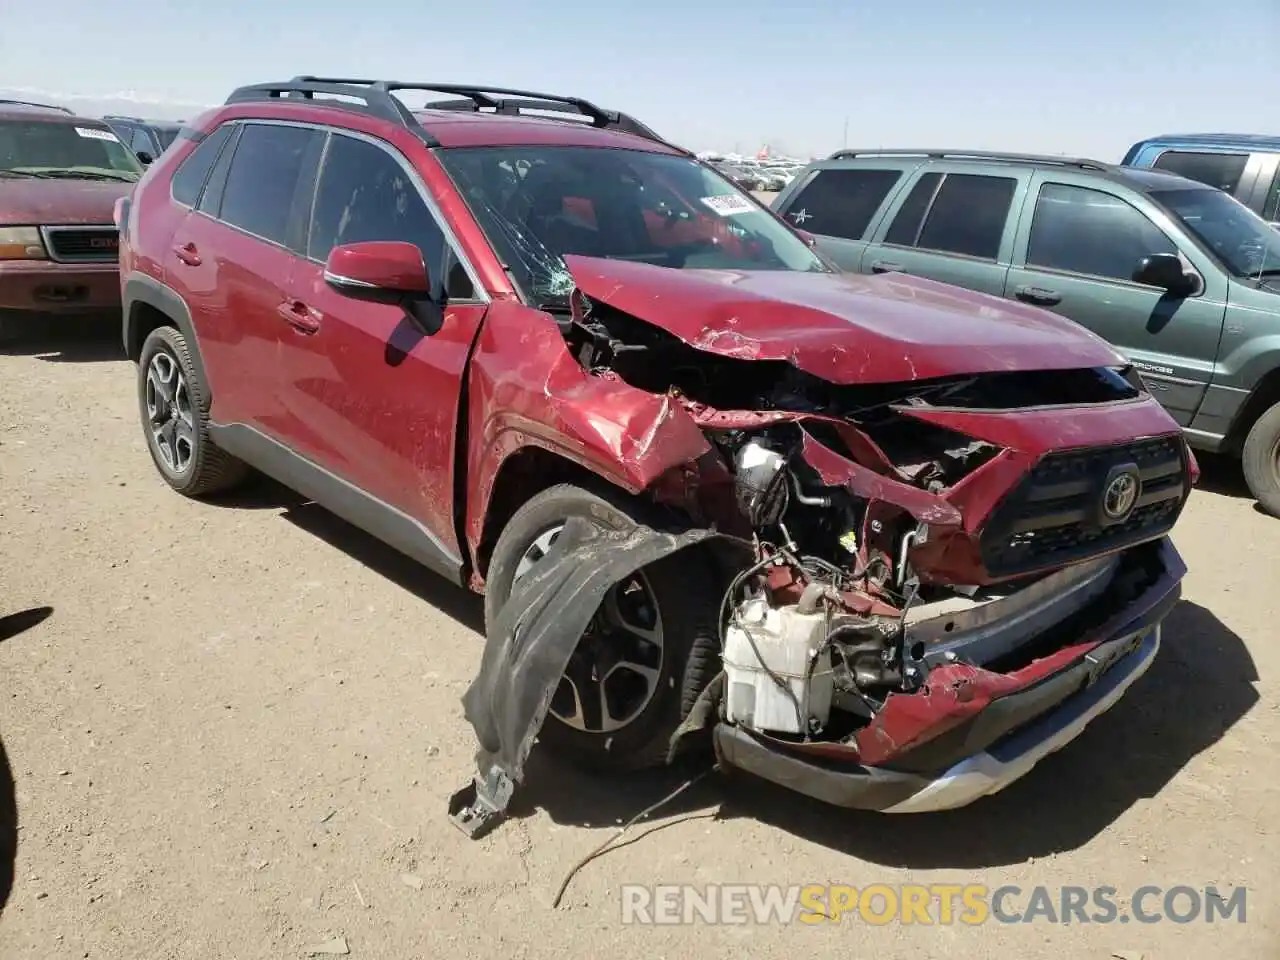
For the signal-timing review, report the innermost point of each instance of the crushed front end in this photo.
(944, 591)
(929, 585)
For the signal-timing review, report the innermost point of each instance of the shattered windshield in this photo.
(537, 204)
(64, 149)
(1246, 244)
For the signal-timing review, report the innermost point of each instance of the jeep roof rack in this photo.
(1081, 162)
(376, 97)
(41, 106)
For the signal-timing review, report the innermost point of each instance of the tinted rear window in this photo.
(189, 178)
(1220, 170)
(906, 225)
(265, 172)
(966, 215)
(841, 203)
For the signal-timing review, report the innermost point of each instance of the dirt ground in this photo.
(235, 734)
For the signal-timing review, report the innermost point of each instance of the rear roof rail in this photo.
(42, 106)
(376, 97)
(932, 154)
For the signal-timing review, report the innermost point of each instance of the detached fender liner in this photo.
(529, 647)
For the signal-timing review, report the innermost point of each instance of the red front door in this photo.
(370, 399)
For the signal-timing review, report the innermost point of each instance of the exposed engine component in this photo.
(760, 483)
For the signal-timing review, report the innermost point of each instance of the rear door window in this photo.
(265, 175)
(964, 215)
(1078, 230)
(1220, 170)
(905, 229)
(841, 203)
(190, 176)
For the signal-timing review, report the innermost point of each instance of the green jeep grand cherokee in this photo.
(1182, 278)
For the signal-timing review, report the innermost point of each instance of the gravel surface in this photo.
(235, 734)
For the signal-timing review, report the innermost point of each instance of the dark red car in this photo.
(883, 540)
(60, 176)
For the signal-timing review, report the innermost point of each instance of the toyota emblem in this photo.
(1120, 496)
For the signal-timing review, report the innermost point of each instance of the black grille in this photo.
(1055, 515)
(83, 244)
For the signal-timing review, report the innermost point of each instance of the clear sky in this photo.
(1086, 77)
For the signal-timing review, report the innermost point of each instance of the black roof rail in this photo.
(43, 106)
(596, 116)
(377, 97)
(152, 123)
(378, 102)
(1081, 162)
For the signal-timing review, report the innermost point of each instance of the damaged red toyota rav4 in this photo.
(882, 540)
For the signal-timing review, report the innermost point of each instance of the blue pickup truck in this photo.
(1247, 166)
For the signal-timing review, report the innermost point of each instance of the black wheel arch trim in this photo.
(141, 289)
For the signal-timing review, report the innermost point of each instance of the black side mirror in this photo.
(1165, 270)
(145, 158)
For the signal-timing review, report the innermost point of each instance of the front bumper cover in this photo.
(970, 731)
(991, 748)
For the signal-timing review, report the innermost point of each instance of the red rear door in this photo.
(233, 258)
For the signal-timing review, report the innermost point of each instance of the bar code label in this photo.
(93, 134)
(729, 205)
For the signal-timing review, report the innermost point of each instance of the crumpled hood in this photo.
(844, 328)
(51, 202)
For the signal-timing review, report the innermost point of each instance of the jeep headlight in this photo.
(21, 243)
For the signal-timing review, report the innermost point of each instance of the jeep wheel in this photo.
(650, 650)
(1261, 460)
(175, 412)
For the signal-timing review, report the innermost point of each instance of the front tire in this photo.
(174, 407)
(1261, 460)
(658, 626)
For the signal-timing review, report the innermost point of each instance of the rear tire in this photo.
(174, 406)
(682, 589)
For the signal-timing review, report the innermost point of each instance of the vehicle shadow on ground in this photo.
(11, 626)
(1222, 475)
(1201, 684)
(456, 602)
(8, 828)
(260, 492)
(65, 341)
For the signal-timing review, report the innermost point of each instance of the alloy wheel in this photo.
(614, 671)
(169, 412)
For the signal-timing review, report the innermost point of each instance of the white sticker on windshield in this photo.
(729, 205)
(95, 134)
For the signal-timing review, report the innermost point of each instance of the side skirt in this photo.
(389, 524)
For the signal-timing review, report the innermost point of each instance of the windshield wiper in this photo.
(23, 173)
(71, 174)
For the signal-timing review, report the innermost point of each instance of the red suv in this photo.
(60, 176)
(883, 540)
